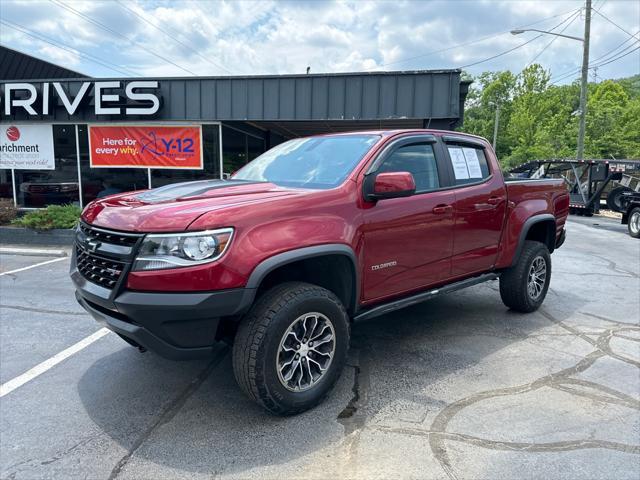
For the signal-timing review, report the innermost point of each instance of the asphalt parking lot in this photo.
(456, 388)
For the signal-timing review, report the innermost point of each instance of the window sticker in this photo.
(473, 163)
(459, 163)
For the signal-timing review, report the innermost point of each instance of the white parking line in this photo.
(39, 369)
(32, 266)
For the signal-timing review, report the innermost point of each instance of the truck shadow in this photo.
(192, 417)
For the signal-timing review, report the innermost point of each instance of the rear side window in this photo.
(469, 164)
(417, 159)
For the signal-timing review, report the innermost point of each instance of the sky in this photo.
(126, 38)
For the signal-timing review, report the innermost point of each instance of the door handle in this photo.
(442, 209)
(495, 200)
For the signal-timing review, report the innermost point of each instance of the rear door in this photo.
(408, 241)
(479, 207)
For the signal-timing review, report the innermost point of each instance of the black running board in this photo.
(423, 296)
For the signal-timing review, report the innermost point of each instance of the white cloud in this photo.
(262, 37)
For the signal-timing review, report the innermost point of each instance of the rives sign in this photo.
(112, 97)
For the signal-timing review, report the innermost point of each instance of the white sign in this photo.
(26, 147)
(459, 163)
(38, 98)
(473, 163)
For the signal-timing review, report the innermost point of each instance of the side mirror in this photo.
(389, 185)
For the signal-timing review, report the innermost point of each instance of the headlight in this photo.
(182, 249)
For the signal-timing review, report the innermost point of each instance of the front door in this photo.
(408, 241)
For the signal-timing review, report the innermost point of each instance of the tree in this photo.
(538, 120)
(605, 109)
(530, 108)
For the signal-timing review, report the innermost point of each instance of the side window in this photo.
(417, 159)
(469, 164)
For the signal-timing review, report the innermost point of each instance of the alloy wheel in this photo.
(306, 351)
(537, 277)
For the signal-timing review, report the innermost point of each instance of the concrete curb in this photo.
(35, 252)
(28, 237)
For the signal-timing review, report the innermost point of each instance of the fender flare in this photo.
(530, 222)
(270, 264)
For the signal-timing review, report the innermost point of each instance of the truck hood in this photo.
(173, 208)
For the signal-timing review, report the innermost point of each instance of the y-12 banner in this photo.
(135, 146)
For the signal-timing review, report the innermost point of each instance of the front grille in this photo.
(98, 270)
(116, 238)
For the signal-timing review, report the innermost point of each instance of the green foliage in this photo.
(8, 212)
(54, 216)
(539, 120)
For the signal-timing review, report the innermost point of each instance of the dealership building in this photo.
(69, 138)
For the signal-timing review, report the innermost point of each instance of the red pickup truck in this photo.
(314, 234)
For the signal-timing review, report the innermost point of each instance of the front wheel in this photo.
(291, 347)
(524, 286)
(634, 223)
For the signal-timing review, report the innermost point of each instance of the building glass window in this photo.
(234, 150)
(100, 182)
(211, 162)
(39, 188)
(6, 184)
(255, 147)
(239, 148)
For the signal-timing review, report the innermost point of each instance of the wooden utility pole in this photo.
(584, 80)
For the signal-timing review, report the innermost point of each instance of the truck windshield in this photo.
(316, 162)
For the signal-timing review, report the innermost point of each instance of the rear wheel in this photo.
(614, 199)
(291, 347)
(524, 286)
(634, 223)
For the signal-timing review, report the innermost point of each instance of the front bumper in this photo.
(174, 325)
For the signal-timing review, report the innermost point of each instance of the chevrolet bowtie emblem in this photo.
(93, 245)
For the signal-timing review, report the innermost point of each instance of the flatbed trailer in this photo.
(586, 180)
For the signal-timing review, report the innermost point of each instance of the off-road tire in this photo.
(257, 344)
(514, 281)
(632, 231)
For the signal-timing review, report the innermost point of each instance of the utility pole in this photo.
(584, 80)
(495, 127)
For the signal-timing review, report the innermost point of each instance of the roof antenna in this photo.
(308, 70)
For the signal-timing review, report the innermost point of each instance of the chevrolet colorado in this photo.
(310, 236)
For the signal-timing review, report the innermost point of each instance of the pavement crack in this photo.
(561, 446)
(561, 380)
(617, 322)
(170, 411)
(351, 417)
(613, 266)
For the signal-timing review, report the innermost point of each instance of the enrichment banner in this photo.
(26, 147)
(135, 146)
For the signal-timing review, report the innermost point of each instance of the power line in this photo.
(114, 32)
(172, 37)
(618, 57)
(517, 46)
(575, 15)
(482, 39)
(65, 47)
(501, 53)
(614, 23)
(514, 48)
(577, 69)
(598, 61)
